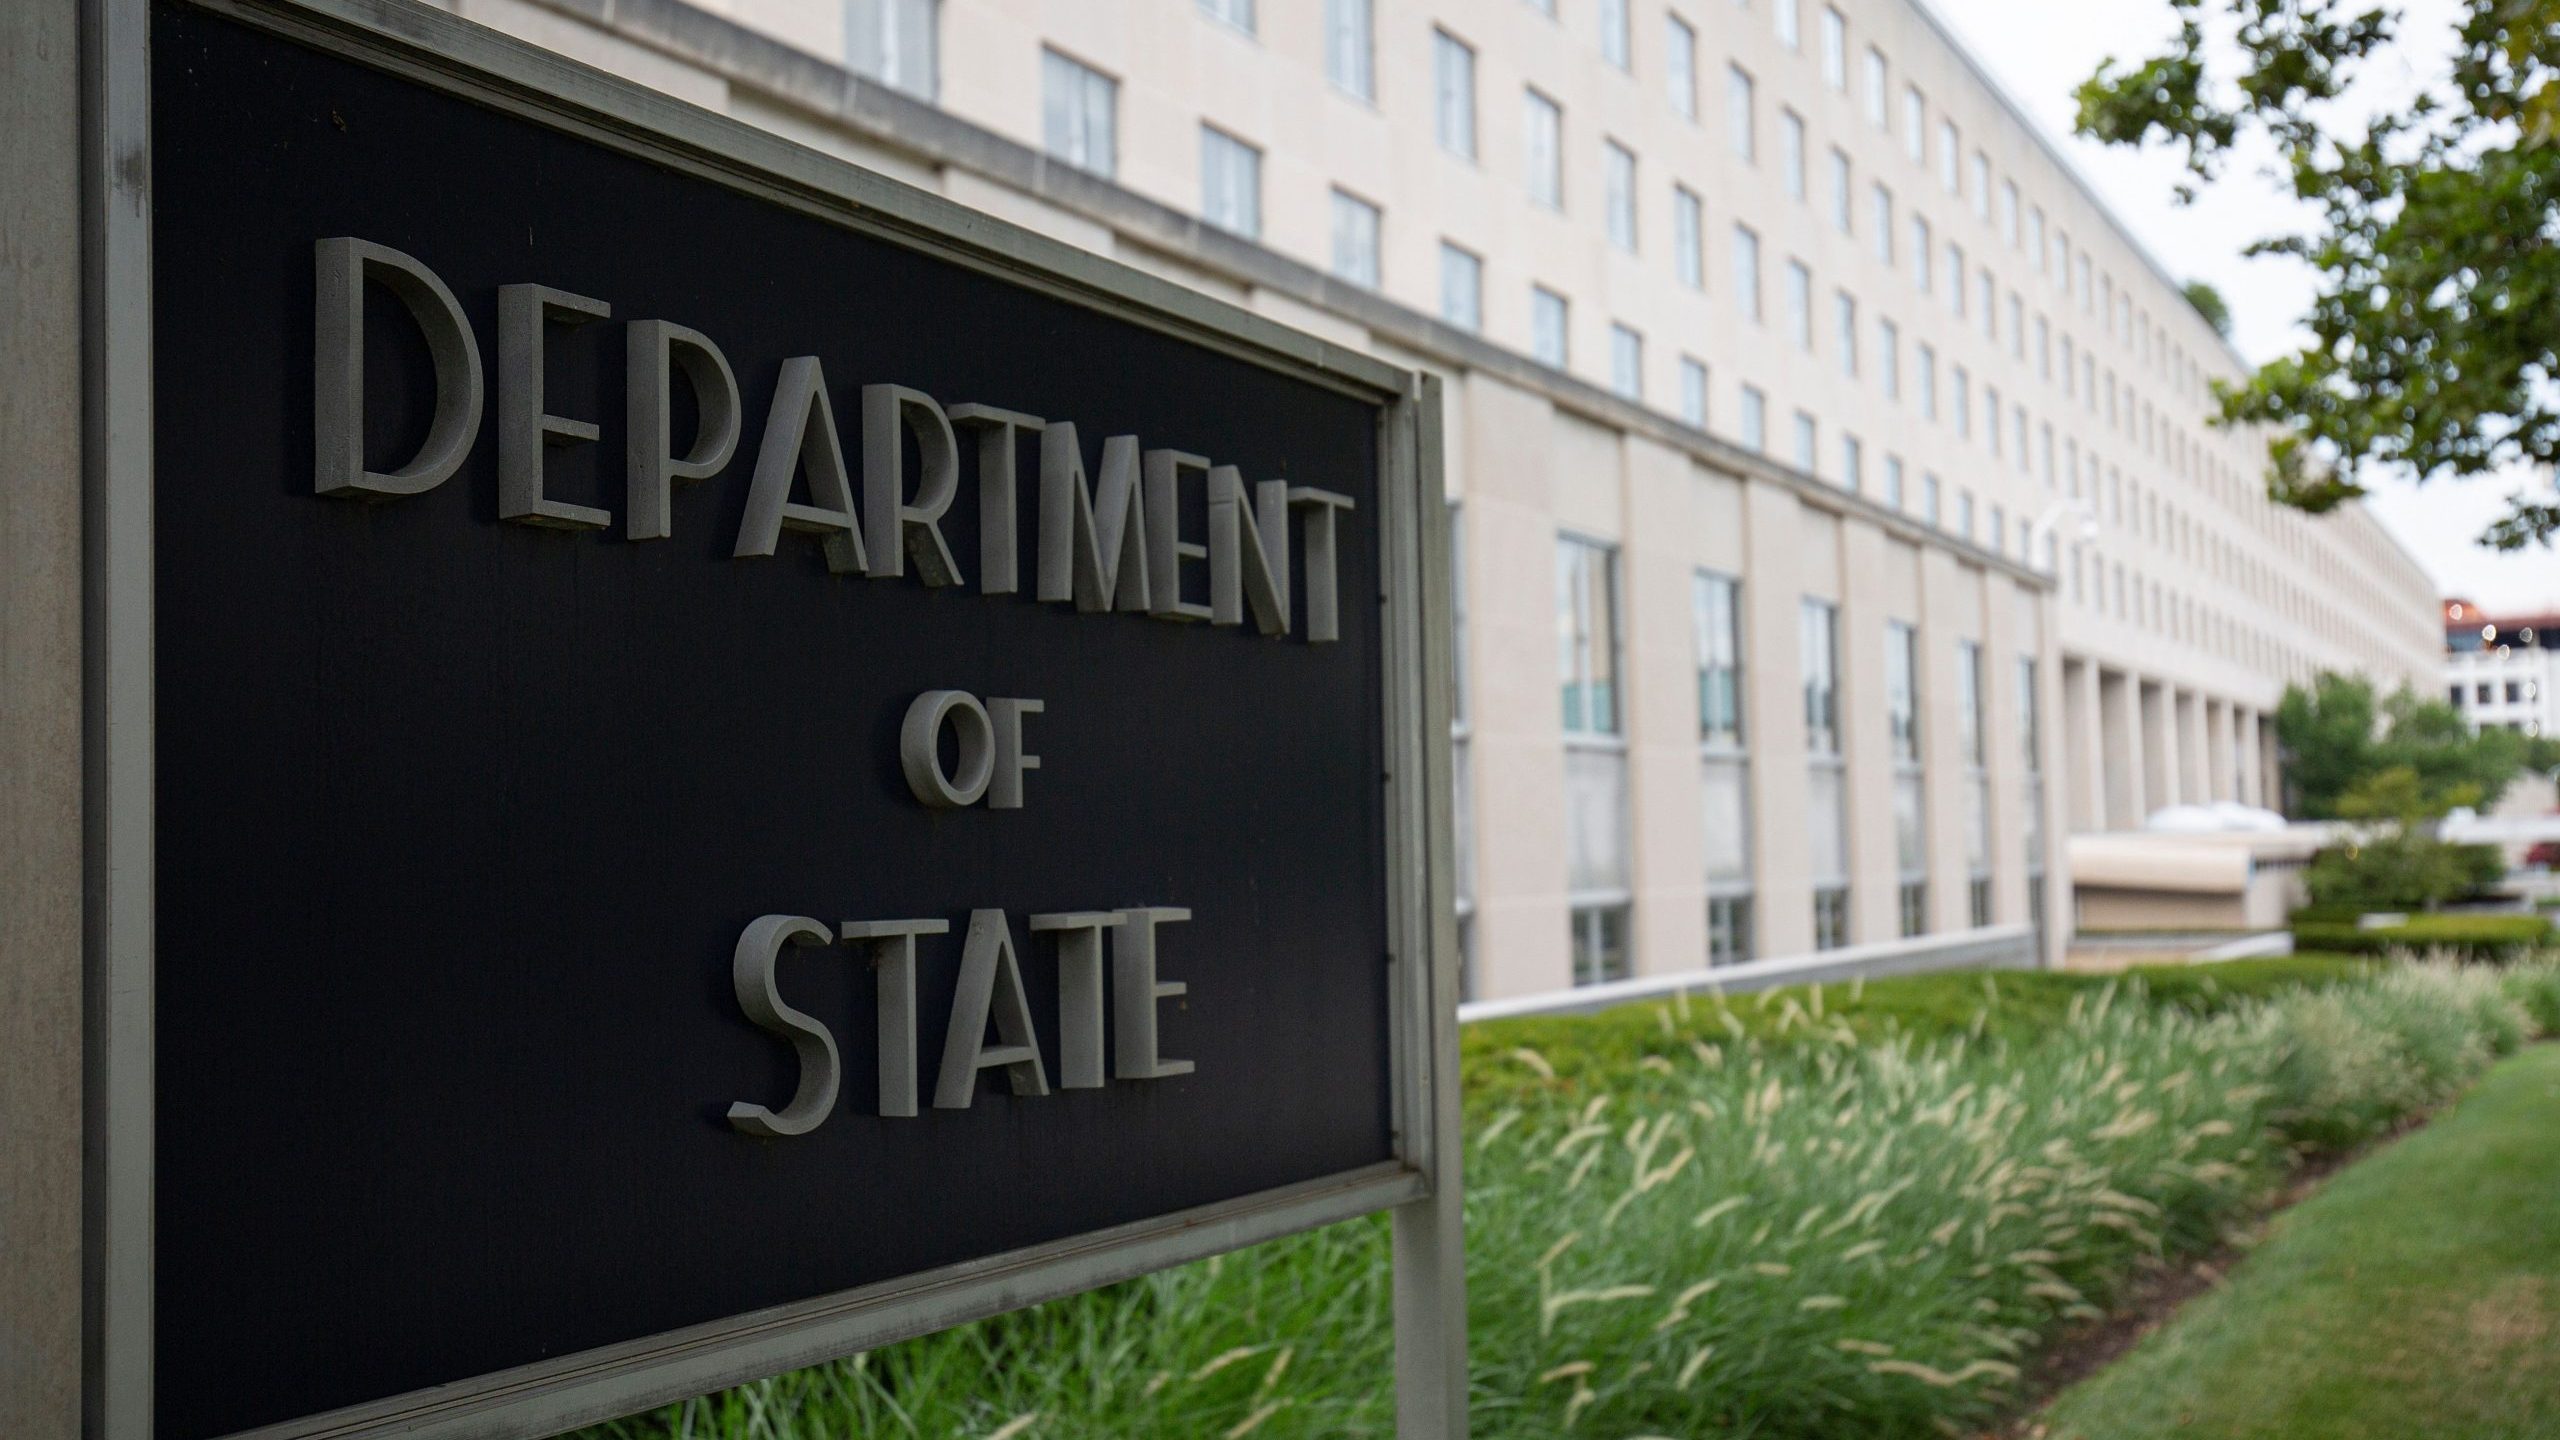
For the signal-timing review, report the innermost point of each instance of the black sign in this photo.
(483, 812)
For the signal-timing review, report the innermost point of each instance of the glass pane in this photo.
(1595, 801)
(1727, 787)
(1827, 824)
(1910, 829)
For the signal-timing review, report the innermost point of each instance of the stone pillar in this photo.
(1663, 800)
(2081, 761)
(1773, 700)
(2159, 751)
(2249, 784)
(41, 923)
(2122, 753)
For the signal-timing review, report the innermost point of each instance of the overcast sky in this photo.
(2041, 49)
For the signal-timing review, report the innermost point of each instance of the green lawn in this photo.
(2417, 1295)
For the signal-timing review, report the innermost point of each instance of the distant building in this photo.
(1837, 520)
(2503, 670)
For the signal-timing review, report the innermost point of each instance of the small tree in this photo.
(2337, 737)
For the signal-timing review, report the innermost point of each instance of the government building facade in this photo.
(1835, 518)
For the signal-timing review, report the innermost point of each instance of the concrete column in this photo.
(2003, 751)
(2250, 784)
(2080, 751)
(1864, 609)
(2123, 750)
(2194, 751)
(41, 934)
(1951, 613)
(1518, 746)
(2219, 771)
(2160, 771)
(1773, 699)
(1662, 712)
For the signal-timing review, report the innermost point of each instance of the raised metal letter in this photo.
(1324, 614)
(1093, 547)
(1079, 993)
(344, 264)
(1004, 792)
(789, 438)
(1166, 549)
(525, 429)
(652, 349)
(1134, 993)
(990, 983)
(920, 749)
(901, 529)
(999, 552)
(1248, 557)
(893, 969)
(751, 972)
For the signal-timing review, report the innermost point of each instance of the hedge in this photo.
(2472, 937)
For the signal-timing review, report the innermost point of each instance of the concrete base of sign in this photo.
(40, 742)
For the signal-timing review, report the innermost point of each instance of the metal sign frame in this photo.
(435, 49)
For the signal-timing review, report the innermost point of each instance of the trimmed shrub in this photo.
(2465, 937)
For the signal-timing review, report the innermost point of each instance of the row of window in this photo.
(1598, 875)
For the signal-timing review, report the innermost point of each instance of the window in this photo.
(1755, 419)
(1693, 392)
(1453, 83)
(1923, 253)
(1875, 88)
(1547, 320)
(1827, 810)
(1841, 201)
(1960, 382)
(1461, 287)
(1977, 788)
(1991, 415)
(1889, 358)
(1880, 221)
(1915, 125)
(1929, 494)
(1597, 876)
(1948, 160)
(1808, 443)
(1600, 944)
(1542, 144)
(1928, 356)
(1790, 17)
(1355, 239)
(1626, 362)
(1738, 110)
(2009, 212)
(1844, 308)
(1955, 278)
(1680, 66)
(1791, 152)
(2036, 241)
(1688, 237)
(1746, 271)
(1230, 183)
(1799, 302)
(1835, 50)
(1981, 186)
(1079, 114)
(1620, 173)
(2031, 739)
(1613, 32)
(1910, 826)
(894, 43)
(1238, 13)
(1990, 303)
(1853, 464)
(1893, 481)
(1964, 514)
(1715, 606)
(1351, 60)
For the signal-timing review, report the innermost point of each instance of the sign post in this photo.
(701, 761)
